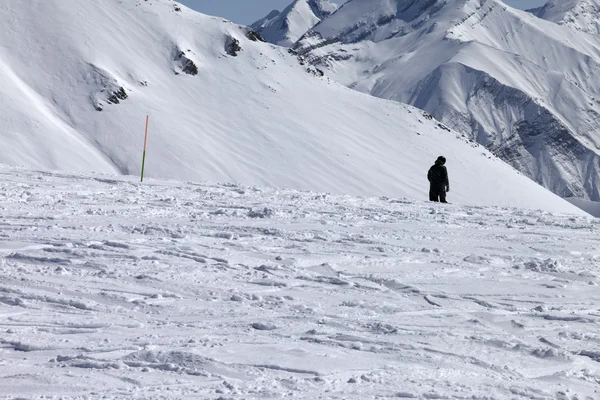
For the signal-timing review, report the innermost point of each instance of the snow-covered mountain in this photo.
(522, 86)
(583, 15)
(286, 27)
(79, 78)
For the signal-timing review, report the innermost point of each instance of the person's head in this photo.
(441, 160)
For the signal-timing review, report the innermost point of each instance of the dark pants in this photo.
(437, 194)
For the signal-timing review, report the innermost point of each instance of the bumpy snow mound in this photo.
(78, 80)
(285, 28)
(583, 15)
(519, 85)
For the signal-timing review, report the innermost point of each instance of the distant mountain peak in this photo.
(322, 8)
(273, 14)
(519, 85)
(583, 15)
(286, 27)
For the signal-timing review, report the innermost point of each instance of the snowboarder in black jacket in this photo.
(438, 181)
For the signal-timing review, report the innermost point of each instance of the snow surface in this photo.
(114, 289)
(259, 118)
(285, 28)
(520, 85)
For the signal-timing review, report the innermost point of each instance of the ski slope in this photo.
(522, 86)
(114, 289)
(79, 79)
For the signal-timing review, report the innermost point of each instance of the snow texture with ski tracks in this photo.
(114, 289)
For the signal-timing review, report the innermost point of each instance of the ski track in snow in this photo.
(114, 289)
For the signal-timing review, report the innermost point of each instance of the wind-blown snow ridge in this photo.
(286, 27)
(521, 86)
(115, 289)
(223, 107)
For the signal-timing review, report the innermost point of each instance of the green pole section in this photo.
(143, 164)
(144, 155)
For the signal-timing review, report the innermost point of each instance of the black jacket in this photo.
(438, 177)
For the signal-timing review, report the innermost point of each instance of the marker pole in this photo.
(144, 155)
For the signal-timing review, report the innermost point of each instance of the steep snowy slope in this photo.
(583, 15)
(285, 28)
(78, 80)
(522, 86)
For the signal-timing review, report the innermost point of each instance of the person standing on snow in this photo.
(439, 184)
